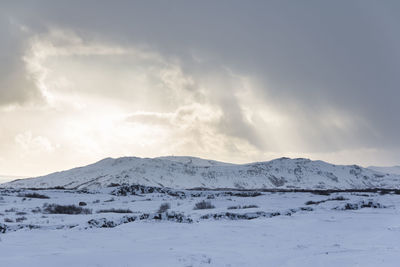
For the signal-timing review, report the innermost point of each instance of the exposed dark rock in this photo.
(361, 205)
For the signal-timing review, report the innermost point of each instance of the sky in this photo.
(236, 81)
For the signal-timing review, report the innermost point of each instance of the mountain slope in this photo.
(390, 170)
(7, 178)
(189, 172)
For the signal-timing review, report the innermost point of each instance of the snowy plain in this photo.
(285, 212)
(272, 229)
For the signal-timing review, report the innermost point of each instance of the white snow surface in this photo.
(391, 170)
(321, 236)
(190, 172)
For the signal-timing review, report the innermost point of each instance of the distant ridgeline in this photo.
(189, 172)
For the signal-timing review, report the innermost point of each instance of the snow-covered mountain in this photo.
(190, 172)
(7, 178)
(391, 170)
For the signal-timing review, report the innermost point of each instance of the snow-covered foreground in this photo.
(271, 229)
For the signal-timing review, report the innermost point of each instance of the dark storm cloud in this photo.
(312, 57)
(15, 86)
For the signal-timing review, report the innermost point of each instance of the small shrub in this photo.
(249, 207)
(8, 220)
(36, 210)
(363, 204)
(339, 198)
(65, 209)
(321, 192)
(33, 195)
(11, 210)
(114, 211)
(96, 201)
(203, 205)
(164, 207)
(247, 194)
(361, 195)
(350, 206)
(20, 219)
(20, 213)
(58, 188)
(110, 200)
(82, 203)
(244, 194)
(242, 207)
(113, 185)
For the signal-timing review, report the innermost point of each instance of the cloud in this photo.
(107, 99)
(15, 86)
(250, 82)
(150, 118)
(34, 144)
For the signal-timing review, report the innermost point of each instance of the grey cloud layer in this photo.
(331, 69)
